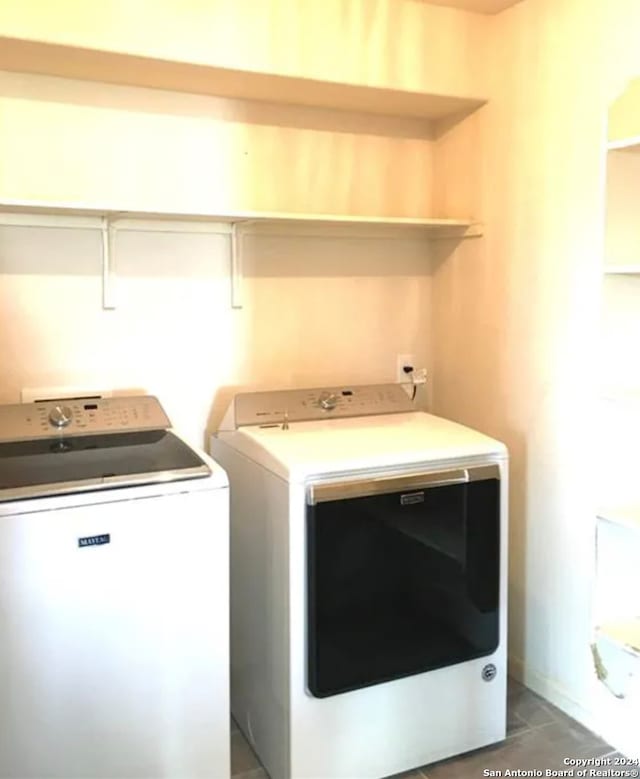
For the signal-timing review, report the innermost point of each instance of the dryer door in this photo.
(402, 574)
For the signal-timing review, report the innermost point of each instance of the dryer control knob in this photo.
(328, 401)
(60, 416)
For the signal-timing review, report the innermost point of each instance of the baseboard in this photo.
(553, 692)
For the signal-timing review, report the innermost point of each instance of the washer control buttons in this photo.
(60, 416)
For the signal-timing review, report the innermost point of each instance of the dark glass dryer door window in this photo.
(401, 582)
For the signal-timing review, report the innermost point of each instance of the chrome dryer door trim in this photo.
(365, 488)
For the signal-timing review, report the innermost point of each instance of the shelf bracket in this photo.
(108, 265)
(237, 263)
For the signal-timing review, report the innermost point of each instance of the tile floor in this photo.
(539, 736)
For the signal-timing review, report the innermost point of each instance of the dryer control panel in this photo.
(81, 416)
(284, 406)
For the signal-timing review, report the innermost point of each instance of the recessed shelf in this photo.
(616, 654)
(623, 632)
(618, 270)
(625, 144)
(130, 70)
(627, 516)
(620, 394)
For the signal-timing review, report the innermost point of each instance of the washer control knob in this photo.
(328, 401)
(60, 416)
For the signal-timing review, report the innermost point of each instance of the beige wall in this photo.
(145, 149)
(519, 355)
(317, 311)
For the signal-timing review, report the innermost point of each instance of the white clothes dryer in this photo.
(113, 595)
(368, 581)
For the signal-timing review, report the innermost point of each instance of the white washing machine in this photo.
(368, 581)
(113, 595)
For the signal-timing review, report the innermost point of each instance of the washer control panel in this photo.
(273, 408)
(81, 416)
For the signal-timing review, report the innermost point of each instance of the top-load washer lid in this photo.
(52, 448)
(295, 435)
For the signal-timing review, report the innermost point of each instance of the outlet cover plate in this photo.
(401, 361)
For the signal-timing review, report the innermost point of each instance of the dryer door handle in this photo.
(364, 488)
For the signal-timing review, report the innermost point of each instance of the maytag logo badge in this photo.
(105, 538)
(410, 498)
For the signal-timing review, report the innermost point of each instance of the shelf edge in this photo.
(112, 67)
(624, 143)
(623, 632)
(624, 516)
(621, 270)
(450, 227)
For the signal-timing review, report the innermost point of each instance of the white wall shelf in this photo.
(129, 70)
(28, 211)
(627, 516)
(625, 144)
(620, 394)
(110, 220)
(623, 632)
(619, 270)
(617, 655)
(617, 574)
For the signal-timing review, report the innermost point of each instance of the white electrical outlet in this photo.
(401, 361)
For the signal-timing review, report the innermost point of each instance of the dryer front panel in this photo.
(403, 576)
